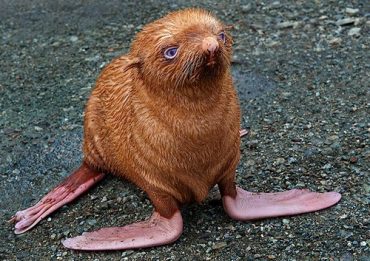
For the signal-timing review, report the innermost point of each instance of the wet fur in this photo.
(169, 126)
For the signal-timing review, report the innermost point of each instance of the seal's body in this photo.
(180, 147)
(166, 117)
(161, 125)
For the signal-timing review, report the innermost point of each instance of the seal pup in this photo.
(166, 117)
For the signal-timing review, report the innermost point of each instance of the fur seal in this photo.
(166, 117)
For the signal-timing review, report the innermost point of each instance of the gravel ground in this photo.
(302, 70)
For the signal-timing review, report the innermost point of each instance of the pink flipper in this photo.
(155, 231)
(76, 184)
(248, 206)
(243, 132)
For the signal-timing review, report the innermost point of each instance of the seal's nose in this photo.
(210, 44)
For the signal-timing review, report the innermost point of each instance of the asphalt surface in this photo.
(302, 73)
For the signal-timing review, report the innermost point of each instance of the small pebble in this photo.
(279, 161)
(355, 31)
(335, 41)
(246, 8)
(16, 171)
(93, 197)
(346, 21)
(127, 253)
(73, 38)
(352, 11)
(292, 160)
(250, 163)
(91, 222)
(219, 245)
(287, 24)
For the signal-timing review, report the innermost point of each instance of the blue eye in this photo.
(170, 53)
(222, 37)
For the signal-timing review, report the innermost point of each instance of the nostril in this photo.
(212, 47)
(210, 44)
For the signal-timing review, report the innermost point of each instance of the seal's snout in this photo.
(210, 45)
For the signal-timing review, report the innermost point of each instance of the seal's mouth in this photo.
(211, 59)
(211, 63)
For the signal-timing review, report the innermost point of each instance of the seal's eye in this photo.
(170, 53)
(222, 37)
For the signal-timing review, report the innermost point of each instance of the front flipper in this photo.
(156, 231)
(248, 206)
(72, 187)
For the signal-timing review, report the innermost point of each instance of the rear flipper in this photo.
(164, 227)
(156, 231)
(248, 206)
(243, 132)
(72, 187)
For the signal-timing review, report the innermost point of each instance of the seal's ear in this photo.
(132, 62)
(229, 27)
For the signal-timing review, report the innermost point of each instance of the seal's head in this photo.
(185, 48)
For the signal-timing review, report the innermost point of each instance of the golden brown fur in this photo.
(170, 127)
